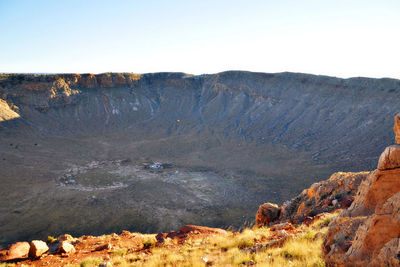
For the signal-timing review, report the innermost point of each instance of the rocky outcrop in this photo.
(335, 193)
(367, 234)
(6, 113)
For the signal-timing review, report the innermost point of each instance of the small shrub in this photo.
(51, 239)
(338, 196)
(245, 243)
(312, 213)
(91, 262)
(148, 243)
(120, 252)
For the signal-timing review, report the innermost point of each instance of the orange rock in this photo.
(67, 237)
(267, 213)
(390, 158)
(106, 246)
(17, 250)
(396, 128)
(66, 247)
(38, 248)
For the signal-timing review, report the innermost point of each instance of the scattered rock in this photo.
(38, 248)
(282, 226)
(66, 247)
(267, 213)
(19, 250)
(67, 237)
(106, 246)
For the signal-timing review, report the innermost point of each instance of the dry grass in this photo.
(302, 249)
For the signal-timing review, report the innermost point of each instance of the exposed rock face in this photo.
(267, 213)
(6, 113)
(38, 248)
(367, 234)
(17, 250)
(335, 193)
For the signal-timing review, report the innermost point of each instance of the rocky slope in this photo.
(73, 146)
(338, 192)
(368, 233)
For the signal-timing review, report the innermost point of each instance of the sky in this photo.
(342, 38)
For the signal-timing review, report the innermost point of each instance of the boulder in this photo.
(267, 213)
(106, 246)
(38, 248)
(66, 247)
(390, 158)
(67, 237)
(19, 250)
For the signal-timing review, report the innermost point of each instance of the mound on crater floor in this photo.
(74, 147)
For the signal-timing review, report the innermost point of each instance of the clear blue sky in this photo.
(341, 38)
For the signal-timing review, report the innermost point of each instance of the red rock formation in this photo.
(368, 233)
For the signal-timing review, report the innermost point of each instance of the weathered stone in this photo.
(267, 213)
(396, 128)
(38, 248)
(17, 250)
(67, 237)
(282, 226)
(106, 246)
(390, 158)
(66, 247)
